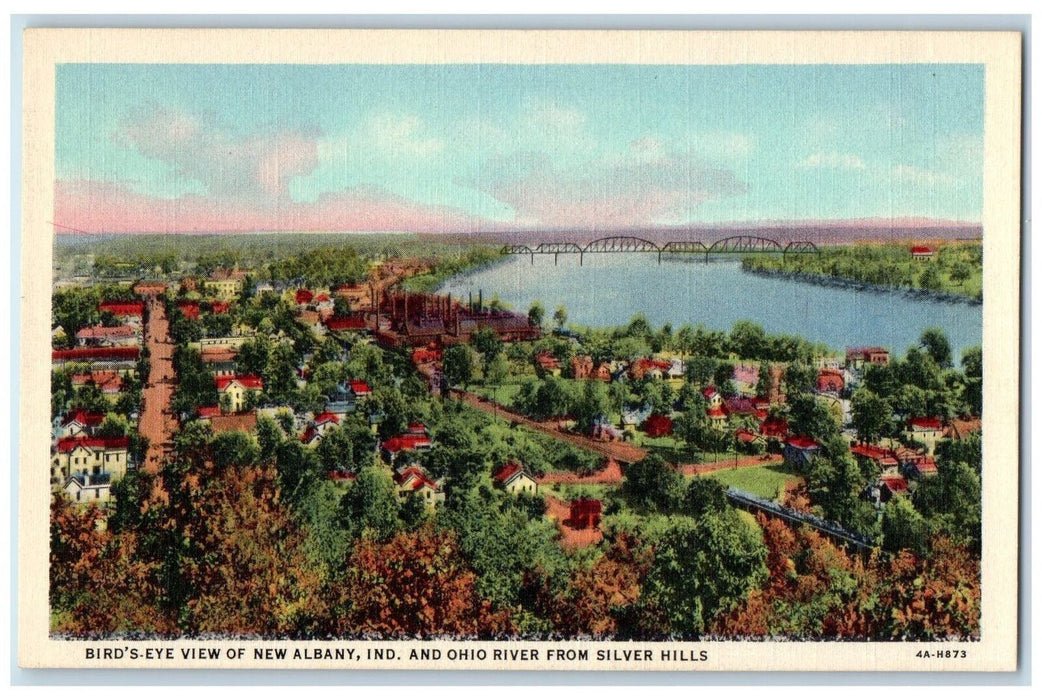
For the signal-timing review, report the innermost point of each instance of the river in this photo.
(609, 289)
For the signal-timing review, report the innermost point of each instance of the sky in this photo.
(426, 148)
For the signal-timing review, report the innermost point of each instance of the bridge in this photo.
(835, 531)
(731, 245)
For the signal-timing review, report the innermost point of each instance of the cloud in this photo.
(106, 207)
(722, 145)
(832, 160)
(920, 176)
(253, 166)
(649, 184)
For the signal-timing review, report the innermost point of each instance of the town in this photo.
(626, 482)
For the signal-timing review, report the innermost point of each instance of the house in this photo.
(922, 252)
(303, 297)
(109, 382)
(916, 464)
(548, 363)
(830, 380)
(859, 357)
(748, 437)
(584, 513)
(582, 367)
(359, 389)
(219, 308)
(712, 396)
(417, 428)
(605, 432)
(961, 428)
(427, 355)
(341, 401)
(746, 377)
(879, 457)
(647, 367)
(219, 359)
(717, 416)
(92, 455)
(632, 416)
(84, 487)
(925, 430)
(324, 303)
(740, 406)
(513, 478)
(107, 336)
(658, 425)
(120, 357)
(237, 387)
(226, 284)
(414, 479)
(774, 428)
(311, 319)
(79, 422)
(892, 485)
(206, 413)
(394, 446)
(319, 426)
(799, 450)
(127, 312)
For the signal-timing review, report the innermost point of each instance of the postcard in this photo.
(520, 350)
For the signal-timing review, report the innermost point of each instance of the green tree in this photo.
(871, 415)
(561, 316)
(904, 527)
(370, 505)
(699, 370)
(703, 568)
(651, 484)
(936, 344)
(536, 314)
(486, 341)
(458, 365)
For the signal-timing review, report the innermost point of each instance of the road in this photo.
(157, 423)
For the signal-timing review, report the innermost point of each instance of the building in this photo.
(219, 359)
(513, 478)
(226, 284)
(881, 458)
(359, 389)
(240, 422)
(108, 336)
(237, 388)
(414, 479)
(830, 380)
(548, 364)
(717, 416)
(83, 487)
(319, 426)
(91, 455)
(859, 357)
(189, 309)
(584, 513)
(78, 422)
(712, 397)
(392, 447)
(922, 252)
(110, 382)
(800, 450)
(926, 431)
(127, 312)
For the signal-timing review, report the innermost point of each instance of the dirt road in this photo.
(157, 423)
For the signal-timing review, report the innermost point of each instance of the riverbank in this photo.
(846, 283)
(445, 270)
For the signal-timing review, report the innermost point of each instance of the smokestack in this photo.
(481, 300)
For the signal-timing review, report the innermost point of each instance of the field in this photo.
(766, 482)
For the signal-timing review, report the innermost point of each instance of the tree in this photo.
(536, 314)
(234, 448)
(799, 378)
(703, 568)
(418, 584)
(592, 405)
(748, 340)
(651, 484)
(936, 344)
(370, 505)
(486, 341)
(561, 316)
(704, 495)
(871, 415)
(763, 381)
(458, 365)
(699, 370)
(904, 527)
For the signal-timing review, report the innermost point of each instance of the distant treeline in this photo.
(955, 269)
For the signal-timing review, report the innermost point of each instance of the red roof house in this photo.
(345, 323)
(247, 381)
(190, 309)
(830, 380)
(359, 388)
(303, 296)
(123, 309)
(922, 251)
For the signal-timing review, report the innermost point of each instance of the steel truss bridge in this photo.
(835, 531)
(731, 245)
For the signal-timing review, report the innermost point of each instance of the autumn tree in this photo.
(417, 584)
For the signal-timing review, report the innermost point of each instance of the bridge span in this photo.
(745, 244)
